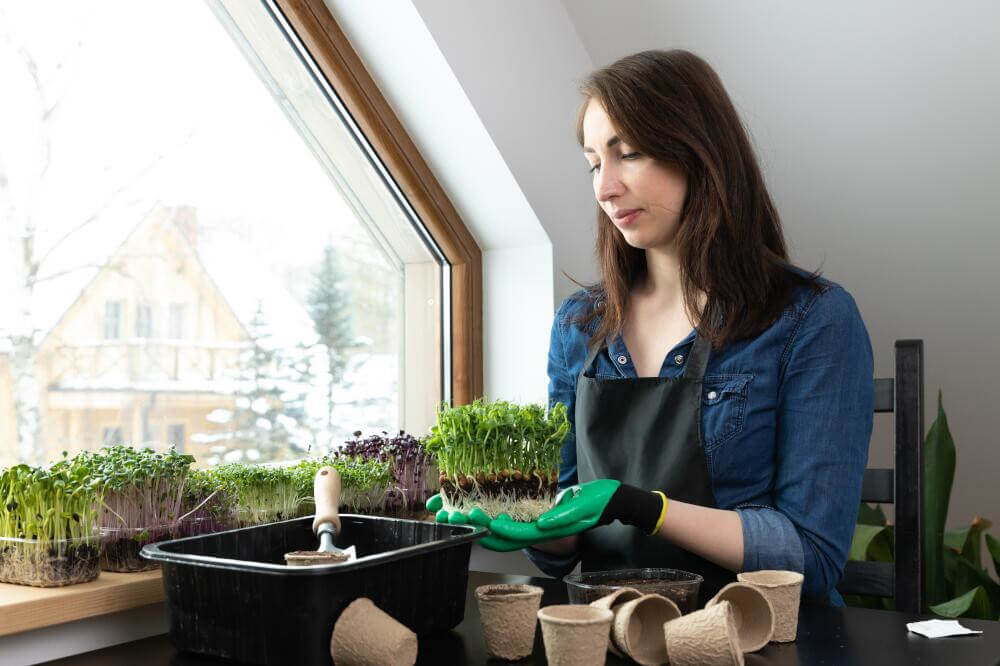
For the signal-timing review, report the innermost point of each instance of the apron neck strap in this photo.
(701, 350)
(592, 353)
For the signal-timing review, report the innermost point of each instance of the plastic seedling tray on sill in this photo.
(230, 594)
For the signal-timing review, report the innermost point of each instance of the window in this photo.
(143, 321)
(269, 215)
(111, 436)
(112, 320)
(176, 321)
(175, 435)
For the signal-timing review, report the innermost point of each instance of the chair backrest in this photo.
(902, 486)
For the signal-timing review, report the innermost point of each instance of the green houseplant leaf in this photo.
(863, 536)
(972, 550)
(968, 577)
(993, 546)
(939, 473)
(965, 540)
(975, 603)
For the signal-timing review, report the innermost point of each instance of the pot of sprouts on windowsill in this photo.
(49, 534)
(143, 493)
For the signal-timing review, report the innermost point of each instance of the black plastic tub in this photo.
(230, 594)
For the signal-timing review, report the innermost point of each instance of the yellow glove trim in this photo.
(663, 513)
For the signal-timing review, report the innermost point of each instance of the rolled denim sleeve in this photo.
(562, 388)
(824, 422)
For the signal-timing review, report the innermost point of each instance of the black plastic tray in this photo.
(230, 594)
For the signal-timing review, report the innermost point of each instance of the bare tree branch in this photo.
(93, 217)
(110, 266)
(114, 266)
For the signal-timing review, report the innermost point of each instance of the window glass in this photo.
(175, 435)
(144, 321)
(210, 242)
(112, 320)
(176, 321)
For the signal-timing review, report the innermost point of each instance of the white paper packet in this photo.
(939, 628)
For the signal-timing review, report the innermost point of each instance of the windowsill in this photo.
(23, 608)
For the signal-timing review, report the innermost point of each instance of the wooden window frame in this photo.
(340, 64)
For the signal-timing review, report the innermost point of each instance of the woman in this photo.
(721, 398)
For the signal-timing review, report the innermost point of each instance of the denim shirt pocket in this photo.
(723, 406)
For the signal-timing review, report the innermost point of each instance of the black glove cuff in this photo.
(633, 506)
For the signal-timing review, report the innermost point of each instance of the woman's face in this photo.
(626, 181)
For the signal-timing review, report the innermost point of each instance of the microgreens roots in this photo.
(49, 563)
(520, 497)
(521, 508)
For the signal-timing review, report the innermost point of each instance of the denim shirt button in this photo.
(712, 395)
(622, 359)
(679, 359)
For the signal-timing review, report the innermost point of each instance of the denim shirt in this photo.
(786, 420)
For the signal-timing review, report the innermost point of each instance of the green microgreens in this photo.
(498, 438)
(262, 494)
(142, 488)
(363, 483)
(51, 504)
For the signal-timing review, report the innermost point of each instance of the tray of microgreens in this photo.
(363, 483)
(414, 469)
(259, 493)
(143, 494)
(499, 456)
(209, 504)
(49, 534)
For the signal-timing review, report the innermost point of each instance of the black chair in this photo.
(902, 486)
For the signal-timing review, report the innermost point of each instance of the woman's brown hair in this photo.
(672, 107)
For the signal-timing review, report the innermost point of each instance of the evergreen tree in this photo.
(270, 406)
(329, 305)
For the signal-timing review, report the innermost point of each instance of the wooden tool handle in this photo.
(326, 492)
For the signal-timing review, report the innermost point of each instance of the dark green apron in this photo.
(645, 431)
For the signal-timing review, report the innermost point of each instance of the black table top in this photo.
(848, 636)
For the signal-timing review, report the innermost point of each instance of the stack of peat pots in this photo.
(646, 628)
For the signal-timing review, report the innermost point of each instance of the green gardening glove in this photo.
(528, 534)
(601, 502)
(582, 504)
(434, 504)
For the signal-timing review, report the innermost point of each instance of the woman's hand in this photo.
(583, 505)
(601, 502)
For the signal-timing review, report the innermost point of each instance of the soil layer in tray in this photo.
(122, 547)
(49, 564)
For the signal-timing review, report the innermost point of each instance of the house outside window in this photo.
(112, 320)
(112, 435)
(175, 436)
(144, 321)
(175, 329)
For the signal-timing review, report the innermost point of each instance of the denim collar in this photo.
(616, 351)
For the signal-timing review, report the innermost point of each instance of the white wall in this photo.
(519, 62)
(419, 84)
